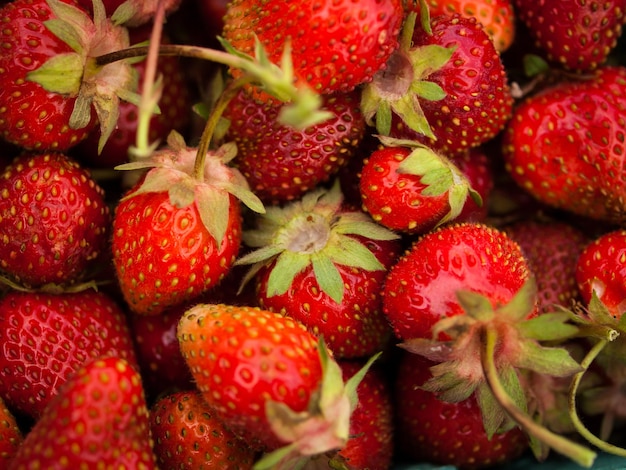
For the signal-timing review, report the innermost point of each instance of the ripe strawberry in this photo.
(53, 219)
(565, 145)
(413, 190)
(600, 269)
(49, 86)
(10, 435)
(445, 87)
(178, 231)
(268, 381)
(335, 47)
(46, 338)
(577, 35)
(323, 264)
(187, 435)
(99, 418)
(551, 249)
(281, 163)
(496, 16)
(437, 431)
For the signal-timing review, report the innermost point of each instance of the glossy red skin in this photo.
(187, 435)
(430, 430)
(281, 163)
(45, 338)
(575, 35)
(53, 218)
(478, 101)
(371, 442)
(601, 264)
(98, 418)
(581, 126)
(164, 256)
(350, 40)
(421, 287)
(22, 102)
(395, 200)
(552, 249)
(255, 356)
(356, 327)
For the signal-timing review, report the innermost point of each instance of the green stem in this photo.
(207, 133)
(580, 454)
(573, 391)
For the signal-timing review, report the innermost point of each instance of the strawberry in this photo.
(446, 87)
(551, 249)
(575, 35)
(50, 87)
(437, 431)
(281, 163)
(99, 418)
(335, 47)
(187, 435)
(323, 264)
(54, 220)
(10, 435)
(496, 16)
(268, 380)
(178, 230)
(413, 190)
(600, 270)
(46, 338)
(565, 145)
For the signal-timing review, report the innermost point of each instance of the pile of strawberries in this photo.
(336, 234)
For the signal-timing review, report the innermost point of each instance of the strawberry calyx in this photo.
(321, 429)
(488, 350)
(77, 74)
(313, 231)
(399, 87)
(171, 169)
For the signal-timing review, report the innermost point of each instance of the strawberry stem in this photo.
(573, 391)
(580, 454)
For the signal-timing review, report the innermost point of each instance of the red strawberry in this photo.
(49, 88)
(445, 87)
(53, 218)
(178, 231)
(99, 418)
(577, 35)
(496, 16)
(601, 270)
(323, 264)
(45, 338)
(413, 190)
(335, 47)
(187, 435)
(565, 145)
(10, 435)
(551, 249)
(269, 381)
(281, 163)
(433, 430)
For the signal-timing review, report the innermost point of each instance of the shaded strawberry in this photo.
(98, 418)
(10, 435)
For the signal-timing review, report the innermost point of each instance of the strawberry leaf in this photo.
(60, 74)
(554, 361)
(213, 206)
(552, 326)
(288, 264)
(327, 276)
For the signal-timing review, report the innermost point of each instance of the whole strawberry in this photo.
(54, 220)
(99, 418)
(565, 145)
(46, 338)
(335, 47)
(50, 89)
(178, 231)
(281, 163)
(187, 435)
(577, 35)
(446, 86)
